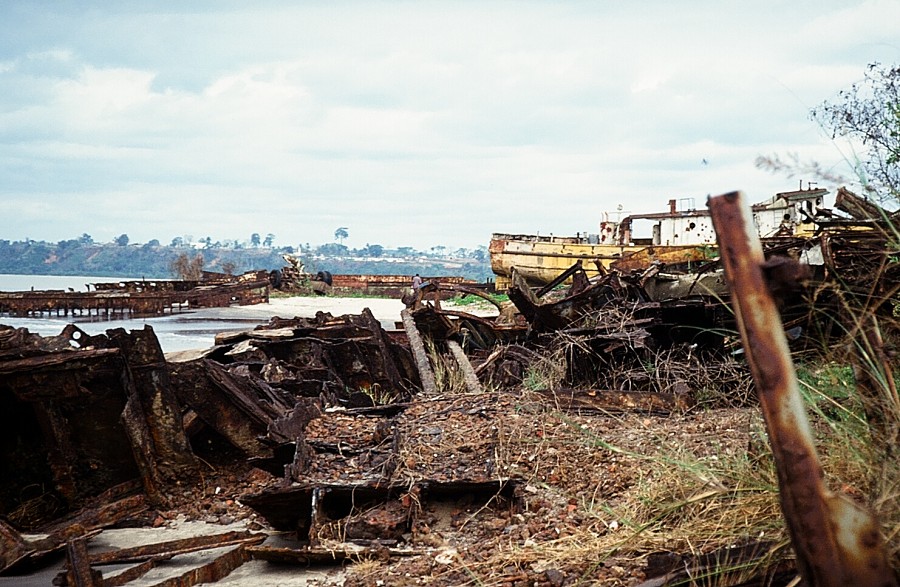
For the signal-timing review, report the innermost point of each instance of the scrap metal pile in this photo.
(364, 434)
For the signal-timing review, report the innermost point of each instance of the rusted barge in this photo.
(679, 237)
(128, 299)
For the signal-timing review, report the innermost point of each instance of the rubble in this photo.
(334, 440)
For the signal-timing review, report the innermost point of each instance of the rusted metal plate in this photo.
(836, 541)
(175, 547)
(12, 546)
(148, 381)
(82, 421)
(221, 404)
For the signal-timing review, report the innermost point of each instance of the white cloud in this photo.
(411, 123)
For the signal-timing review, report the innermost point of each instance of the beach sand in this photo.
(384, 309)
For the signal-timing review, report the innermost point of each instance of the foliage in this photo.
(470, 300)
(82, 256)
(73, 257)
(332, 249)
(868, 115)
(187, 269)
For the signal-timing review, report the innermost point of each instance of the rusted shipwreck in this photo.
(354, 428)
(294, 278)
(99, 430)
(136, 298)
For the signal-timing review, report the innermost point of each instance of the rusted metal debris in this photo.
(88, 418)
(345, 414)
(128, 299)
(294, 278)
(82, 566)
(837, 542)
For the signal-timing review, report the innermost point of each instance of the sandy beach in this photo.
(385, 310)
(196, 329)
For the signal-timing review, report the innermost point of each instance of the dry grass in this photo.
(691, 483)
(603, 492)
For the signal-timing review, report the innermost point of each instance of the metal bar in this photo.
(426, 374)
(837, 542)
(472, 383)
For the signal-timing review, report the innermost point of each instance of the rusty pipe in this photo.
(836, 541)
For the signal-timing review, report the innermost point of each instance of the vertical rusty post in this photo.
(837, 543)
(153, 404)
(80, 573)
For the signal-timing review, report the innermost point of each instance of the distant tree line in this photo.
(184, 257)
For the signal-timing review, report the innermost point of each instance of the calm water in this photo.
(64, 282)
(186, 330)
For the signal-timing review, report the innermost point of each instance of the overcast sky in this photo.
(409, 123)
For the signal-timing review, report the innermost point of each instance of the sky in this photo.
(409, 123)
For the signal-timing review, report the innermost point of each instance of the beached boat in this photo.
(680, 237)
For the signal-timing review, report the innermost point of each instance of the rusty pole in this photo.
(836, 542)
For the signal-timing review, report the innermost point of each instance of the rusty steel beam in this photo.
(472, 383)
(175, 547)
(426, 374)
(149, 389)
(836, 541)
(80, 573)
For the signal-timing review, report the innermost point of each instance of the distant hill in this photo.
(76, 257)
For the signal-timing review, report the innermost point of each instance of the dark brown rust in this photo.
(175, 547)
(12, 546)
(80, 573)
(148, 381)
(137, 298)
(836, 542)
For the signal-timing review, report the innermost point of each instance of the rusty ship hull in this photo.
(678, 238)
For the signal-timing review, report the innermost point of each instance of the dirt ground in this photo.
(573, 521)
(570, 526)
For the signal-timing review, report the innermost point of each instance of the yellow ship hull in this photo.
(542, 259)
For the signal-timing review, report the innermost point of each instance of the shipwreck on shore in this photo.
(682, 239)
(360, 441)
(140, 298)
